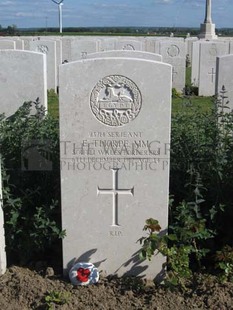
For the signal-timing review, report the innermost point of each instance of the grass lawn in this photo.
(192, 103)
(53, 104)
(188, 76)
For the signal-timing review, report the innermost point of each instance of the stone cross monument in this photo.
(208, 28)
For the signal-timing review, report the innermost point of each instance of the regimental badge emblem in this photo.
(42, 49)
(213, 51)
(116, 100)
(128, 47)
(173, 51)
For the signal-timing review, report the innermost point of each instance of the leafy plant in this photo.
(201, 178)
(175, 93)
(177, 265)
(184, 245)
(31, 190)
(202, 145)
(224, 262)
(57, 298)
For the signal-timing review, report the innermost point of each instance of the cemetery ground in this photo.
(26, 289)
(200, 252)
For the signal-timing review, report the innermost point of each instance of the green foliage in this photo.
(31, 195)
(175, 93)
(53, 105)
(202, 144)
(224, 262)
(201, 173)
(56, 298)
(177, 266)
(189, 105)
(201, 186)
(183, 246)
(190, 89)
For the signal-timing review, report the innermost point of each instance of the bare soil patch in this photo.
(24, 289)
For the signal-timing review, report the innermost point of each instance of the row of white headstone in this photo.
(25, 72)
(173, 51)
(115, 117)
(66, 49)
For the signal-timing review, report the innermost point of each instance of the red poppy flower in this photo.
(83, 274)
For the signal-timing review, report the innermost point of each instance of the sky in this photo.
(107, 13)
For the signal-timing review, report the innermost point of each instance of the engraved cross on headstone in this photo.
(173, 73)
(115, 191)
(212, 73)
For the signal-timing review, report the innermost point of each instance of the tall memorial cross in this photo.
(208, 28)
(208, 18)
(115, 191)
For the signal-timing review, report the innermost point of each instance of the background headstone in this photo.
(195, 63)
(27, 41)
(19, 43)
(131, 54)
(129, 45)
(230, 47)
(66, 48)
(22, 78)
(224, 77)
(108, 44)
(49, 49)
(7, 44)
(152, 45)
(207, 65)
(81, 48)
(174, 54)
(188, 45)
(115, 116)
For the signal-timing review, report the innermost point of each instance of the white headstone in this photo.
(207, 66)
(174, 54)
(108, 44)
(125, 54)
(195, 63)
(27, 41)
(22, 78)
(152, 45)
(224, 77)
(58, 55)
(66, 48)
(2, 232)
(188, 44)
(48, 48)
(80, 48)
(230, 47)
(129, 45)
(7, 44)
(114, 132)
(19, 43)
